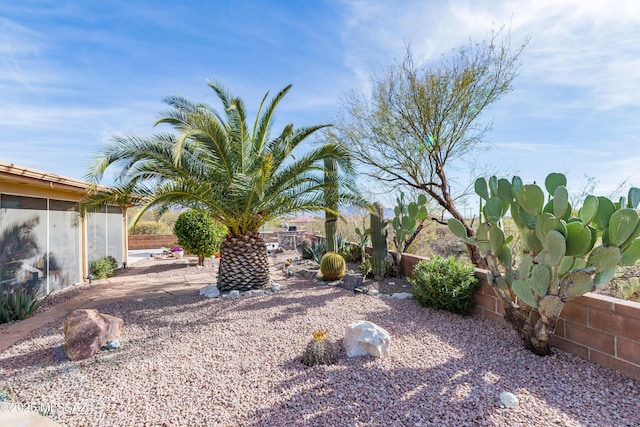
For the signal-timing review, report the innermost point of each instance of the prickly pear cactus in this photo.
(631, 290)
(378, 241)
(408, 221)
(332, 266)
(565, 253)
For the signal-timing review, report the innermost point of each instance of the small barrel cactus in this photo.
(319, 351)
(332, 266)
(306, 249)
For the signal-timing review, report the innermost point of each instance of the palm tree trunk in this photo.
(244, 263)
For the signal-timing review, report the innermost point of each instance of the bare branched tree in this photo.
(420, 118)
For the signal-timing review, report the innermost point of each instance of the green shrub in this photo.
(18, 303)
(351, 253)
(149, 227)
(366, 268)
(102, 268)
(199, 234)
(445, 284)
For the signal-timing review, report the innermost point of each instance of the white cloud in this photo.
(587, 44)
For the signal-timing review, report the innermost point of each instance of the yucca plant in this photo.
(216, 162)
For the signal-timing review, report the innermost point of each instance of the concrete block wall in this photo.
(152, 241)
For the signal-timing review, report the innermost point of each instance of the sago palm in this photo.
(214, 161)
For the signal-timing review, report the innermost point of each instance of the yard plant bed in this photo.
(186, 360)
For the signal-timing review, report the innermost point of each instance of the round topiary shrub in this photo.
(332, 266)
(199, 234)
(445, 284)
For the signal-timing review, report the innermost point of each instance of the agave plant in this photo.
(216, 162)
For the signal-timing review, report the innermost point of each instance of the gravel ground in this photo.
(188, 361)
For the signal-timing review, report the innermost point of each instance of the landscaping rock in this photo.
(87, 330)
(402, 295)
(275, 287)
(362, 338)
(372, 292)
(232, 295)
(210, 291)
(352, 281)
(508, 400)
(113, 344)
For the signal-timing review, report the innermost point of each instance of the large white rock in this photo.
(210, 291)
(362, 338)
(509, 400)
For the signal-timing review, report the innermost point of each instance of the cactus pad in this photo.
(576, 284)
(540, 279)
(457, 228)
(606, 208)
(493, 210)
(480, 187)
(556, 247)
(589, 209)
(622, 224)
(496, 236)
(631, 253)
(524, 292)
(553, 181)
(560, 201)
(565, 265)
(504, 191)
(578, 239)
(531, 199)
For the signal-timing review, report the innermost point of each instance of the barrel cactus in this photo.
(564, 252)
(319, 351)
(332, 266)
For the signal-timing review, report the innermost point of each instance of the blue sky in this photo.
(75, 73)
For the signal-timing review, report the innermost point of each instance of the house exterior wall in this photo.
(44, 243)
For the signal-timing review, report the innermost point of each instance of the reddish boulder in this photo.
(87, 330)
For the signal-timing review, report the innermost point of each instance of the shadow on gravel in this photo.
(458, 386)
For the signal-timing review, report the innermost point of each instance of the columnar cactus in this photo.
(331, 202)
(562, 256)
(332, 266)
(378, 241)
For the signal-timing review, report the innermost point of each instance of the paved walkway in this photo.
(130, 283)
